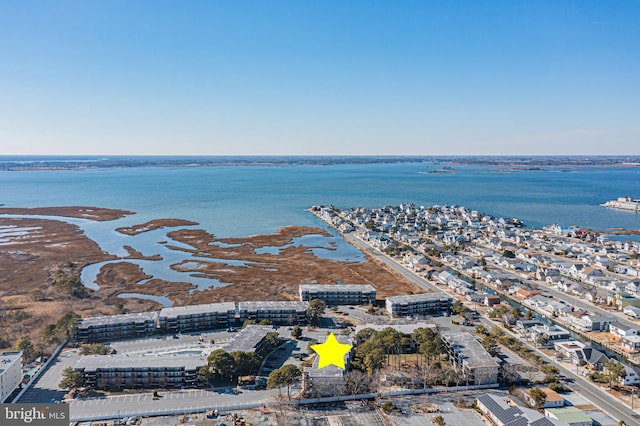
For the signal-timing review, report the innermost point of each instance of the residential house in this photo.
(587, 323)
(630, 344)
(499, 412)
(551, 333)
(553, 398)
(571, 415)
(619, 331)
(630, 378)
(632, 311)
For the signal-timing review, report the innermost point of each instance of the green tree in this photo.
(265, 322)
(439, 421)
(458, 308)
(246, 363)
(542, 340)
(284, 376)
(613, 371)
(248, 322)
(490, 344)
(374, 359)
(296, 332)
(539, 396)
(71, 379)
(222, 364)
(25, 345)
(315, 311)
(429, 342)
(273, 339)
(68, 324)
(50, 334)
(94, 349)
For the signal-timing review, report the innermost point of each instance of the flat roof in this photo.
(337, 287)
(8, 358)
(475, 355)
(421, 297)
(272, 305)
(105, 362)
(198, 309)
(247, 338)
(117, 319)
(569, 414)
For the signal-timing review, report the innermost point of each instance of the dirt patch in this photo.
(36, 247)
(123, 277)
(35, 252)
(268, 276)
(99, 214)
(153, 225)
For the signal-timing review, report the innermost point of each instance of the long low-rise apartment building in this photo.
(470, 359)
(339, 294)
(163, 370)
(437, 303)
(10, 373)
(116, 327)
(277, 312)
(197, 317)
(115, 372)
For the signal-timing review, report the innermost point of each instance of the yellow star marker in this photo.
(331, 352)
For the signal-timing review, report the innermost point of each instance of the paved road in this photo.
(46, 387)
(187, 400)
(580, 384)
(410, 275)
(608, 403)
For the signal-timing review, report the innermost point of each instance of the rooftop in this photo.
(117, 319)
(248, 338)
(475, 355)
(272, 305)
(103, 362)
(422, 297)
(569, 414)
(337, 287)
(8, 358)
(198, 309)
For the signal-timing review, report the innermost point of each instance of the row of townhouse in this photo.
(170, 370)
(188, 319)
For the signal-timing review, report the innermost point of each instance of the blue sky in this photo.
(319, 77)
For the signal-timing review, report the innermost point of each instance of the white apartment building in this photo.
(10, 373)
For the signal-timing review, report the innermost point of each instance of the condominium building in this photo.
(335, 294)
(249, 339)
(328, 380)
(470, 359)
(10, 373)
(437, 303)
(278, 313)
(140, 371)
(116, 327)
(197, 317)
